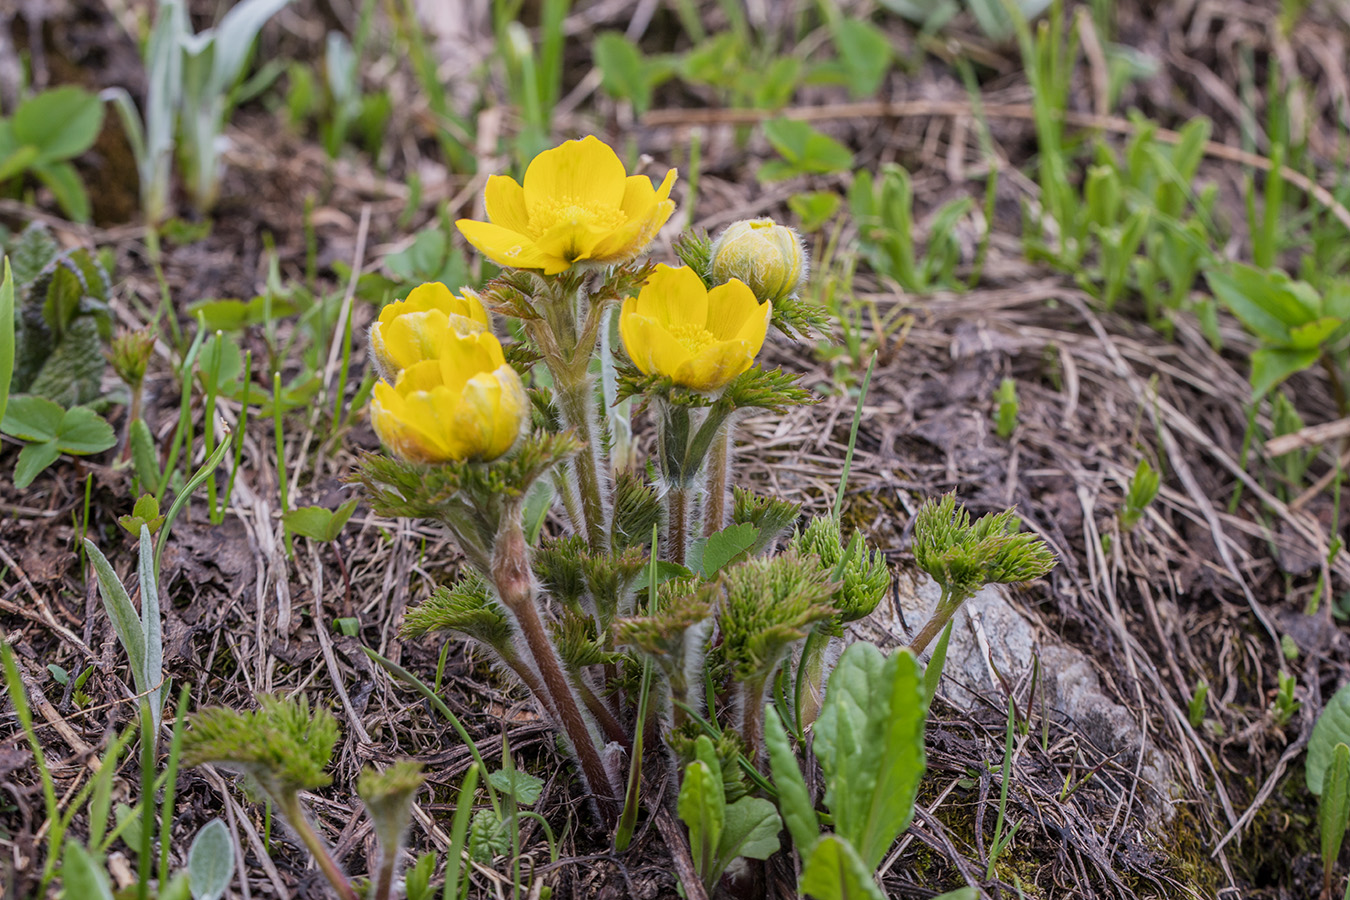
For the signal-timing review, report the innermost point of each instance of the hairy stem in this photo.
(946, 608)
(608, 723)
(577, 404)
(295, 814)
(679, 513)
(715, 512)
(515, 585)
(811, 677)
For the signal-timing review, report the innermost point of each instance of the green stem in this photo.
(295, 814)
(811, 678)
(946, 608)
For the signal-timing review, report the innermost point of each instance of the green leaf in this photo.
(63, 180)
(1271, 366)
(623, 74)
(523, 786)
(144, 455)
(805, 151)
(6, 336)
(750, 829)
(32, 418)
(488, 836)
(152, 628)
(794, 800)
(728, 545)
(82, 876)
(869, 740)
(319, 523)
(232, 315)
(965, 893)
(1333, 813)
(33, 458)
(145, 512)
(1267, 302)
(864, 54)
(815, 208)
(125, 620)
(417, 879)
(834, 871)
(211, 861)
(83, 431)
(1332, 728)
(17, 161)
(702, 807)
(1313, 334)
(62, 123)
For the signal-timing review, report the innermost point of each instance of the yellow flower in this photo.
(765, 255)
(466, 403)
(577, 203)
(408, 331)
(701, 339)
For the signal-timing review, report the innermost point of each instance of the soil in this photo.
(1223, 565)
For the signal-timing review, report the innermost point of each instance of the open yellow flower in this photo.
(701, 339)
(577, 203)
(467, 403)
(408, 331)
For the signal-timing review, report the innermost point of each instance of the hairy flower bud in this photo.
(130, 355)
(765, 255)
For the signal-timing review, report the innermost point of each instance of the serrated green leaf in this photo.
(211, 861)
(83, 431)
(32, 418)
(728, 545)
(33, 458)
(869, 740)
(523, 786)
(1332, 728)
(835, 871)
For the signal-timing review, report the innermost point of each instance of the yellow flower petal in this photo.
(502, 245)
(715, 366)
(653, 349)
(504, 200)
(674, 295)
(400, 425)
(730, 307)
(585, 172)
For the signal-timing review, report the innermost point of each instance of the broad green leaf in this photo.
(178, 888)
(221, 361)
(702, 807)
(1333, 812)
(33, 458)
(1312, 334)
(523, 786)
(1270, 366)
(834, 871)
(488, 836)
(82, 876)
(83, 431)
(317, 522)
(1267, 302)
(125, 620)
(804, 149)
(793, 798)
(622, 73)
(17, 161)
(727, 545)
(211, 861)
(814, 209)
(145, 512)
(32, 418)
(1332, 728)
(62, 123)
(749, 830)
(869, 740)
(63, 180)
(6, 336)
(232, 315)
(864, 54)
(144, 455)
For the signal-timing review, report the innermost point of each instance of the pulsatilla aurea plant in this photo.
(675, 602)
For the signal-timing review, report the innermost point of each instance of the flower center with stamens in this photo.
(693, 338)
(556, 211)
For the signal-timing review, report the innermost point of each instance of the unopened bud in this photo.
(130, 355)
(765, 255)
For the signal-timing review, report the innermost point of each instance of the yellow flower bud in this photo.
(699, 338)
(408, 331)
(466, 403)
(765, 255)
